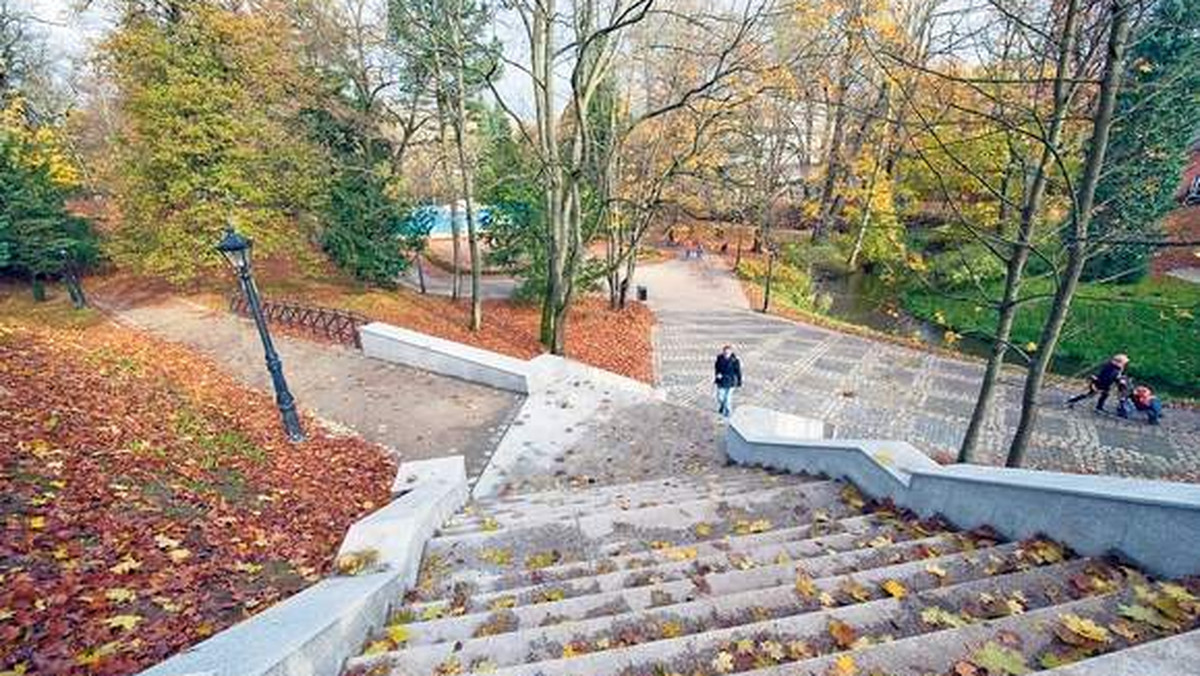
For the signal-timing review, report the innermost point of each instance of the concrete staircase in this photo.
(740, 571)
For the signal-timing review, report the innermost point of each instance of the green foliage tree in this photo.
(365, 225)
(1155, 125)
(209, 100)
(38, 236)
(507, 182)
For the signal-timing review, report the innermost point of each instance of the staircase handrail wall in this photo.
(1153, 523)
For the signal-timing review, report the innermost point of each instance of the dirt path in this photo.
(416, 414)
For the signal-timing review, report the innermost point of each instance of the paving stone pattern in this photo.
(869, 388)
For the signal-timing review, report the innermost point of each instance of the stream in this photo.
(862, 299)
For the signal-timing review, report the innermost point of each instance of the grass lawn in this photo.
(1154, 321)
(148, 500)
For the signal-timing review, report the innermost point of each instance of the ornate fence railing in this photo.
(338, 325)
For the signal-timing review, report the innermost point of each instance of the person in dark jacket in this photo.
(1103, 381)
(728, 376)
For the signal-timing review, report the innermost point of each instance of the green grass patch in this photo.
(56, 311)
(1154, 322)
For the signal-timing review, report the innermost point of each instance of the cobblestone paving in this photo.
(868, 388)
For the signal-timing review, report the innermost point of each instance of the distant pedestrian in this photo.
(728, 376)
(1102, 383)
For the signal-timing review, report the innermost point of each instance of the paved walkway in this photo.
(416, 414)
(438, 282)
(869, 388)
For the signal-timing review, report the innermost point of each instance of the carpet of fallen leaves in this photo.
(148, 500)
(617, 341)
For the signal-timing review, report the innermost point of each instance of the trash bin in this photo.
(641, 293)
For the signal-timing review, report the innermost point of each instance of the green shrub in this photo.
(827, 257)
(965, 265)
(1154, 321)
(789, 284)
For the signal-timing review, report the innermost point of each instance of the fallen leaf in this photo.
(843, 634)
(894, 588)
(126, 622)
(120, 595)
(843, 665)
(127, 565)
(1000, 660)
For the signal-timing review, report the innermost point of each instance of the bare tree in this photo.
(597, 30)
(1120, 21)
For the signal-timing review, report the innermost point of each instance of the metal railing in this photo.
(337, 325)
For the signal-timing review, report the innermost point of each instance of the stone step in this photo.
(834, 517)
(730, 478)
(721, 577)
(677, 513)
(1176, 655)
(585, 536)
(697, 615)
(685, 653)
(1034, 638)
(477, 517)
(460, 628)
(858, 533)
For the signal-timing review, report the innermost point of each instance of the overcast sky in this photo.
(71, 36)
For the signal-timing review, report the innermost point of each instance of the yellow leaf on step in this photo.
(805, 586)
(895, 589)
(397, 634)
(844, 665)
(377, 648)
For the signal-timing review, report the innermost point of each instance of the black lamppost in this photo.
(236, 250)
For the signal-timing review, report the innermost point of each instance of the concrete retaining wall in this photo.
(1154, 523)
(313, 632)
(444, 357)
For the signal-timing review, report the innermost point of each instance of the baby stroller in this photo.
(1137, 398)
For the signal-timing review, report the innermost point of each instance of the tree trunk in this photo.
(455, 230)
(38, 288)
(852, 261)
(1015, 269)
(1077, 246)
(630, 268)
(833, 162)
(468, 191)
(876, 166)
(767, 287)
(420, 272)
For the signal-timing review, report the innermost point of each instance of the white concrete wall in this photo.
(1154, 523)
(444, 357)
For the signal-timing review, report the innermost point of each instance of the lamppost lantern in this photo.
(236, 249)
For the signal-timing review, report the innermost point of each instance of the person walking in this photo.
(728, 376)
(1102, 382)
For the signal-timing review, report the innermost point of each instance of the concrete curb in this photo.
(313, 632)
(1154, 523)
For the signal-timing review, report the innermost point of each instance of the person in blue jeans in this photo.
(728, 376)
